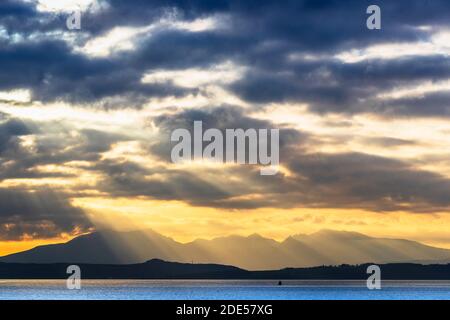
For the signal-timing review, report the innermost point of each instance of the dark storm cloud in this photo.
(372, 182)
(14, 15)
(9, 131)
(349, 180)
(202, 187)
(222, 118)
(131, 179)
(38, 214)
(436, 104)
(342, 180)
(257, 34)
(41, 212)
(198, 187)
(53, 72)
(317, 23)
(53, 145)
(176, 49)
(9, 8)
(270, 39)
(333, 86)
(312, 24)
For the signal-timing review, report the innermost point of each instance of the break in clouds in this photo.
(228, 64)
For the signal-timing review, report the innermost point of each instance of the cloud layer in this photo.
(138, 70)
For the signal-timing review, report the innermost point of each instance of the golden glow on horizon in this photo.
(185, 223)
(9, 247)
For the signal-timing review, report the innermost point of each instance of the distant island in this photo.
(254, 252)
(159, 269)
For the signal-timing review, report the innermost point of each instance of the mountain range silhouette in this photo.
(326, 247)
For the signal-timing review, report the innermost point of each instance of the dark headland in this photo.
(159, 269)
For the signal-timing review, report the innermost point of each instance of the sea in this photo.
(222, 290)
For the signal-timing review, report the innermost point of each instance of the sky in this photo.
(86, 117)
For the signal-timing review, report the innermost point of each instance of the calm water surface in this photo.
(227, 289)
